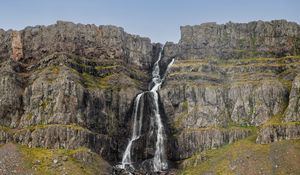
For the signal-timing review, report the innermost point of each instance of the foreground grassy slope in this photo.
(39, 161)
(248, 158)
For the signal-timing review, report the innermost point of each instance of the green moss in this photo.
(259, 61)
(190, 63)
(185, 105)
(251, 129)
(52, 73)
(240, 50)
(295, 56)
(105, 67)
(29, 116)
(84, 66)
(5, 129)
(275, 120)
(43, 126)
(243, 82)
(45, 102)
(37, 154)
(96, 82)
(196, 75)
(179, 120)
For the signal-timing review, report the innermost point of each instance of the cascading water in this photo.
(136, 132)
(159, 160)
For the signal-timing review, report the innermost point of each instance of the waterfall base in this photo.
(142, 168)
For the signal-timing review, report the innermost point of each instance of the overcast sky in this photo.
(157, 19)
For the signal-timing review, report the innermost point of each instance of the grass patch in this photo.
(41, 161)
(229, 128)
(105, 67)
(246, 157)
(275, 120)
(195, 75)
(29, 116)
(190, 63)
(42, 126)
(5, 129)
(96, 82)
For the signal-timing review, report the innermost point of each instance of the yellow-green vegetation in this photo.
(275, 120)
(240, 82)
(255, 61)
(240, 71)
(258, 62)
(52, 73)
(41, 126)
(196, 74)
(179, 119)
(278, 120)
(62, 161)
(114, 81)
(185, 105)
(182, 116)
(187, 63)
(55, 69)
(45, 102)
(246, 157)
(5, 129)
(251, 129)
(29, 116)
(96, 82)
(105, 67)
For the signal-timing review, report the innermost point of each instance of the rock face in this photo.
(17, 46)
(231, 75)
(71, 85)
(87, 40)
(279, 132)
(292, 113)
(289, 126)
(233, 40)
(203, 139)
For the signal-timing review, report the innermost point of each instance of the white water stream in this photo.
(159, 160)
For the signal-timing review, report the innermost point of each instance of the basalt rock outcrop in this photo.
(71, 85)
(232, 75)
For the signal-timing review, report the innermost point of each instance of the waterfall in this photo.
(136, 132)
(159, 160)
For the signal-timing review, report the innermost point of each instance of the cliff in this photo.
(230, 81)
(70, 86)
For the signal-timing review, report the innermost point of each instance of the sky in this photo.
(160, 20)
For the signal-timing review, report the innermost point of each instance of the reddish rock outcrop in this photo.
(17, 46)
